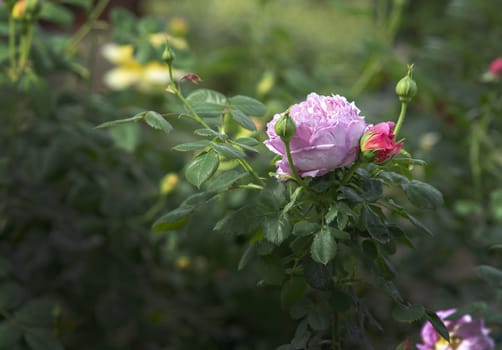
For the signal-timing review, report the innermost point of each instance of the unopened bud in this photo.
(285, 127)
(168, 55)
(406, 88)
(26, 10)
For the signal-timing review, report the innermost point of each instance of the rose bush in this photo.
(328, 129)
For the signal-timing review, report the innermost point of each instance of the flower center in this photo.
(442, 344)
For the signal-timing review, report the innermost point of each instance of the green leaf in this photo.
(202, 167)
(374, 225)
(438, 324)
(157, 121)
(126, 136)
(248, 105)
(422, 195)
(408, 313)
(305, 228)
(489, 274)
(42, 339)
(207, 102)
(323, 247)
(318, 276)
(372, 190)
(225, 179)
(393, 177)
(208, 133)
(276, 230)
(247, 256)
(228, 151)
(244, 146)
(302, 336)
(10, 332)
(292, 291)
(11, 295)
(191, 146)
(242, 119)
(85, 4)
(239, 222)
(248, 141)
(135, 118)
(56, 14)
(172, 220)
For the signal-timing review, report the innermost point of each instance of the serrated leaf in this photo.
(228, 151)
(172, 220)
(207, 102)
(10, 332)
(276, 230)
(198, 199)
(331, 214)
(202, 167)
(438, 324)
(225, 179)
(248, 105)
(242, 119)
(408, 313)
(42, 339)
(207, 133)
(422, 195)
(244, 146)
(191, 146)
(157, 121)
(135, 118)
(248, 141)
(323, 248)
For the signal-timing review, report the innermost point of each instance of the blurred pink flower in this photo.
(496, 67)
(380, 140)
(328, 129)
(465, 334)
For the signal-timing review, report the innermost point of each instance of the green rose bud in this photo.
(406, 88)
(168, 55)
(285, 128)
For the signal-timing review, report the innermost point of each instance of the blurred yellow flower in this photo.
(178, 26)
(130, 73)
(169, 183)
(159, 39)
(266, 83)
(182, 262)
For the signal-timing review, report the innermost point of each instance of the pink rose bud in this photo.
(496, 67)
(379, 141)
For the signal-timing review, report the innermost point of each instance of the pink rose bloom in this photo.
(381, 140)
(328, 129)
(496, 67)
(465, 334)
